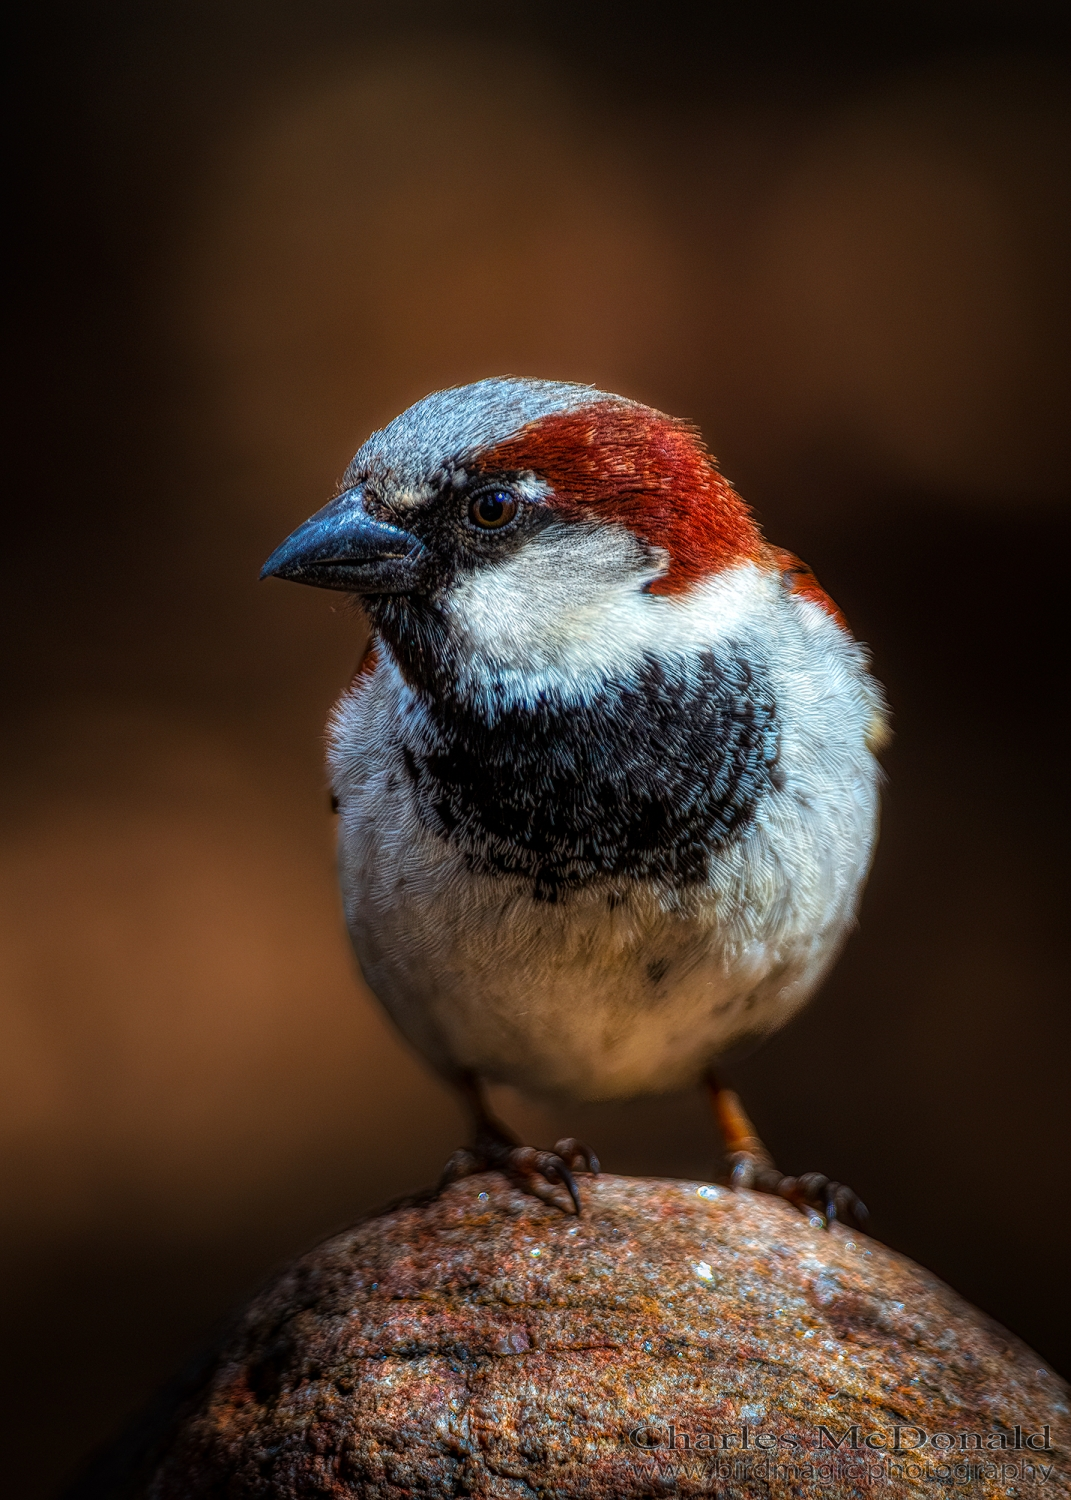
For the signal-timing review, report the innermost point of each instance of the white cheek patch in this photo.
(569, 609)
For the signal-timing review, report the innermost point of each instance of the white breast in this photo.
(596, 998)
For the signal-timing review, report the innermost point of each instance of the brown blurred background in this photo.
(249, 233)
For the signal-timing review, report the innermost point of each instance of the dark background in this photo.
(247, 234)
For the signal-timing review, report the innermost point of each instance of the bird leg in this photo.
(752, 1166)
(496, 1149)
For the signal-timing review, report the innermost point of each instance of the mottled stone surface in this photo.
(484, 1344)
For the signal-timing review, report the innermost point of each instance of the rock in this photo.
(677, 1338)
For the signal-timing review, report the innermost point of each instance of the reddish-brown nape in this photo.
(647, 471)
(798, 579)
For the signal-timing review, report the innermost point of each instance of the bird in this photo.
(607, 773)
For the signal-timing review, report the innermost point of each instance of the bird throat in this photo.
(646, 777)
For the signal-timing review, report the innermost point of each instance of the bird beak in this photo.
(343, 547)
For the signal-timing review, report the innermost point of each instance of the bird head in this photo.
(522, 526)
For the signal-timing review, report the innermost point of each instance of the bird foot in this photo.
(752, 1166)
(540, 1173)
(822, 1200)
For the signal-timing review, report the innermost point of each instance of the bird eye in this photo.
(491, 510)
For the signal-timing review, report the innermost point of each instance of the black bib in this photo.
(646, 779)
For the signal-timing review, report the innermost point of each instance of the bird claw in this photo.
(579, 1157)
(525, 1165)
(814, 1194)
(751, 1166)
(536, 1172)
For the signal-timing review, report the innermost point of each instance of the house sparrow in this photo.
(606, 774)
